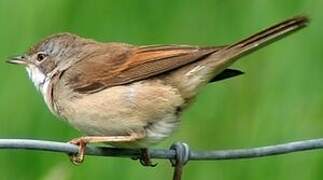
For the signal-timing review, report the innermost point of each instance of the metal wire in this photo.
(53, 146)
(179, 153)
(181, 158)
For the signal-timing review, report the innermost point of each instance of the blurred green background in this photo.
(279, 99)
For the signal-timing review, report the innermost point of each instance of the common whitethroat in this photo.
(126, 95)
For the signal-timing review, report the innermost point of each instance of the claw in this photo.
(81, 142)
(78, 158)
(145, 159)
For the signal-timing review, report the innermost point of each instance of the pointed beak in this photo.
(17, 60)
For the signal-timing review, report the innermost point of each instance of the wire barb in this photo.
(182, 156)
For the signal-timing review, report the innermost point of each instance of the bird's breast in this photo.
(149, 107)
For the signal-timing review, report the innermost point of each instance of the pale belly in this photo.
(150, 108)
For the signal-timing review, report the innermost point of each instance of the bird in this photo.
(131, 95)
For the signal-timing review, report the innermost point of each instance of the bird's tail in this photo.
(227, 55)
(214, 67)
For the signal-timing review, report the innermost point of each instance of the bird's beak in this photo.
(17, 60)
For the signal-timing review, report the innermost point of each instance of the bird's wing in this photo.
(126, 65)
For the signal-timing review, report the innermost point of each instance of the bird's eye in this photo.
(41, 56)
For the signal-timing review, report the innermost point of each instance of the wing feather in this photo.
(119, 66)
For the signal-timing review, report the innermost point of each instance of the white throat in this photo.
(41, 83)
(36, 76)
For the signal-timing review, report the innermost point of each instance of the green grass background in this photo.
(279, 99)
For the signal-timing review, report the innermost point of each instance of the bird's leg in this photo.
(145, 158)
(83, 141)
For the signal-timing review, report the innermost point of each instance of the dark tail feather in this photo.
(226, 74)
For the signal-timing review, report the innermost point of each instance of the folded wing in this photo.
(127, 65)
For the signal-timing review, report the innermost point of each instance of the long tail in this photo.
(227, 55)
(219, 61)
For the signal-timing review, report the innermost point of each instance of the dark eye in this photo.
(41, 56)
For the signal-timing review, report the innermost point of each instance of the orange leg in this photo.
(83, 141)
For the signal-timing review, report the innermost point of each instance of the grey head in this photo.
(54, 52)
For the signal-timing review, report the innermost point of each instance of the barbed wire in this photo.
(179, 153)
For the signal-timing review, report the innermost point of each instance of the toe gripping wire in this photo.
(182, 156)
